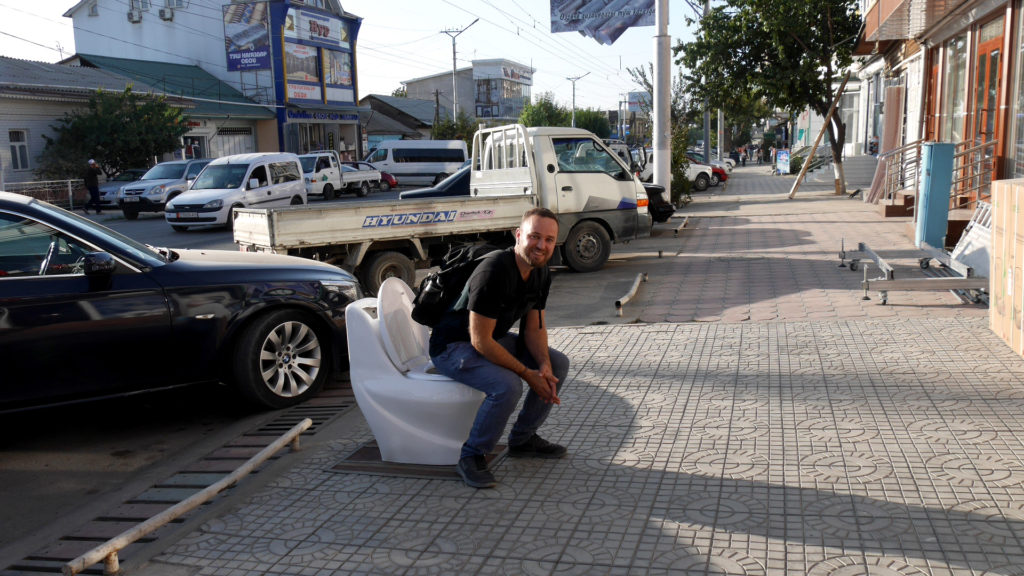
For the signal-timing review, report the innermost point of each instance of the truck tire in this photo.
(384, 265)
(282, 359)
(328, 192)
(438, 178)
(587, 247)
(363, 189)
(700, 184)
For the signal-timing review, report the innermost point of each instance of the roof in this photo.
(27, 76)
(211, 96)
(378, 123)
(421, 110)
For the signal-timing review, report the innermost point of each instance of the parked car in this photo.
(86, 313)
(259, 180)
(159, 186)
(110, 189)
(455, 185)
(387, 181)
(718, 173)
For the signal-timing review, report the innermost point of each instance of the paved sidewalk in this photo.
(761, 419)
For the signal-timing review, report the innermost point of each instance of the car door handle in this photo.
(566, 188)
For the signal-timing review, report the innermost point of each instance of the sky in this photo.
(403, 39)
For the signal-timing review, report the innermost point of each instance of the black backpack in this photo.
(440, 289)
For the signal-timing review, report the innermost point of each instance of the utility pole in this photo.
(573, 79)
(707, 106)
(455, 89)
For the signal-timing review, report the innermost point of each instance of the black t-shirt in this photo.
(496, 290)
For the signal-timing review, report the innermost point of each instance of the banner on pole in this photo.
(602, 20)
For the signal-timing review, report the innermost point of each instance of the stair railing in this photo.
(972, 174)
(902, 170)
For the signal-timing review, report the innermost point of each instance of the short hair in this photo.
(539, 211)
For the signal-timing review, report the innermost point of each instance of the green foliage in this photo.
(786, 55)
(118, 129)
(463, 129)
(400, 92)
(795, 164)
(592, 120)
(545, 113)
(680, 187)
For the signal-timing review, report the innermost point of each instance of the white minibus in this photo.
(423, 162)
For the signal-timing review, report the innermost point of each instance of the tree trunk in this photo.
(836, 136)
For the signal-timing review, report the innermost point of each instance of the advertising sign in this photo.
(316, 28)
(782, 161)
(503, 69)
(247, 36)
(302, 72)
(338, 76)
(602, 20)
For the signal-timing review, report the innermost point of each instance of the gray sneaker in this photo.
(474, 472)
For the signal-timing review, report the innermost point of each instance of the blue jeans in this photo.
(461, 362)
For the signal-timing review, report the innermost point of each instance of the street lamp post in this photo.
(573, 79)
(455, 90)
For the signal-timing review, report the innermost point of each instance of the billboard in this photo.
(311, 27)
(302, 72)
(247, 36)
(602, 20)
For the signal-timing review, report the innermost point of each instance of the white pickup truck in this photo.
(596, 198)
(328, 177)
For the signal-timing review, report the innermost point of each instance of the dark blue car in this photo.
(86, 312)
(455, 185)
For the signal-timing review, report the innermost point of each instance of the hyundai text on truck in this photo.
(597, 199)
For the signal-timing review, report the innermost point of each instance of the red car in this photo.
(387, 181)
(717, 173)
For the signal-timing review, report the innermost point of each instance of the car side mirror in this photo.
(99, 269)
(253, 183)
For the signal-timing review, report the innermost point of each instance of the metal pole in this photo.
(662, 97)
(707, 109)
(573, 79)
(455, 89)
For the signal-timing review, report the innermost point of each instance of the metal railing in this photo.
(972, 174)
(63, 193)
(902, 170)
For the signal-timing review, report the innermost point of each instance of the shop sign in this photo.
(316, 28)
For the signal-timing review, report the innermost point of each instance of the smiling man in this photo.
(473, 344)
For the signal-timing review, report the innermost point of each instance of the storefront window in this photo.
(955, 108)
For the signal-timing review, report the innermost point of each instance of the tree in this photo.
(592, 120)
(545, 113)
(400, 92)
(118, 129)
(462, 129)
(787, 55)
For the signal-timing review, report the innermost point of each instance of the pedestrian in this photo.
(758, 155)
(92, 184)
(473, 344)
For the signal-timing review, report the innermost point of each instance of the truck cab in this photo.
(597, 198)
(322, 173)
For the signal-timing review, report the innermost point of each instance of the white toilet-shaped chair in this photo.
(416, 416)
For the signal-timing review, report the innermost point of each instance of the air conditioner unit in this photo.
(167, 13)
(135, 16)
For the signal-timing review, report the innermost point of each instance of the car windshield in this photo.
(146, 255)
(308, 163)
(126, 177)
(220, 176)
(165, 172)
